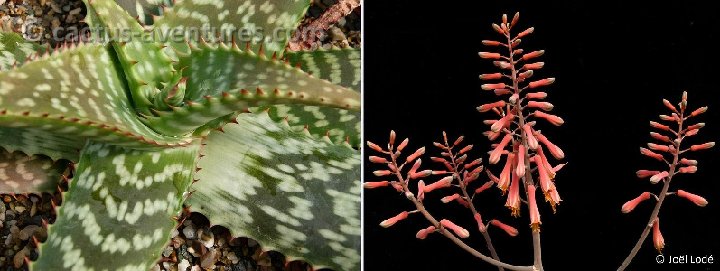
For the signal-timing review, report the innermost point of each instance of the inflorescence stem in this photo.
(661, 198)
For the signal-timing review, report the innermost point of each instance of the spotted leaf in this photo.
(20, 173)
(14, 50)
(117, 213)
(224, 79)
(147, 68)
(144, 10)
(265, 22)
(339, 66)
(72, 95)
(340, 125)
(291, 192)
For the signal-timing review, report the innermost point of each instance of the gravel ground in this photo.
(195, 245)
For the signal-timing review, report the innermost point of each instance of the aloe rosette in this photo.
(261, 141)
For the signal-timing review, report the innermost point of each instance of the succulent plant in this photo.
(142, 125)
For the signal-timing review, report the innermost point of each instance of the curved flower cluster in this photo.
(668, 149)
(518, 112)
(459, 172)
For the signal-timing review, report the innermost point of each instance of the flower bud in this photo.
(422, 234)
(458, 140)
(656, 147)
(534, 66)
(659, 126)
(525, 33)
(459, 231)
(491, 43)
(536, 95)
(484, 187)
(481, 225)
(702, 146)
(642, 174)
(450, 198)
(442, 183)
(403, 144)
(657, 177)
(507, 228)
(489, 55)
(415, 155)
(660, 137)
(541, 83)
(374, 146)
(688, 162)
(493, 86)
(631, 204)
(495, 154)
(698, 200)
(533, 54)
(554, 120)
(669, 105)
(378, 160)
(421, 190)
(699, 111)
(391, 221)
(651, 154)
(525, 75)
(489, 106)
(498, 29)
(381, 173)
(688, 169)
(392, 137)
(542, 105)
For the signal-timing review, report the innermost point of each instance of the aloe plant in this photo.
(145, 125)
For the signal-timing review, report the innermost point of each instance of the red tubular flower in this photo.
(481, 225)
(699, 111)
(491, 76)
(374, 146)
(403, 144)
(554, 120)
(459, 231)
(698, 200)
(534, 66)
(450, 198)
(659, 126)
(504, 121)
(415, 155)
(484, 187)
(542, 105)
(372, 185)
(702, 146)
(651, 154)
(657, 177)
(391, 221)
(505, 174)
(688, 162)
(488, 107)
(520, 168)
(415, 167)
(688, 169)
(381, 173)
(545, 181)
(378, 160)
(525, 33)
(631, 204)
(536, 95)
(442, 183)
(422, 234)
(642, 174)
(507, 228)
(513, 199)
(421, 174)
(502, 91)
(489, 55)
(552, 148)
(658, 239)
(491, 43)
(421, 190)
(398, 187)
(548, 169)
(493, 86)
(541, 83)
(495, 154)
(534, 212)
(660, 137)
(669, 105)
(656, 147)
(531, 140)
(533, 54)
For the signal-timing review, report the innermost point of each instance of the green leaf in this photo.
(266, 22)
(144, 10)
(36, 141)
(339, 66)
(20, 173)
(117, 213)
(293, 193)
(75, 94)
(14, 50)
(339, 124)
(218, 75)
(147, 68)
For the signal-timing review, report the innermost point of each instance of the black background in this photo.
(613, 63)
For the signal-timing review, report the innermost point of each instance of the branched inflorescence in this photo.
(459, 172)
(520, 142)
(668, 149)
